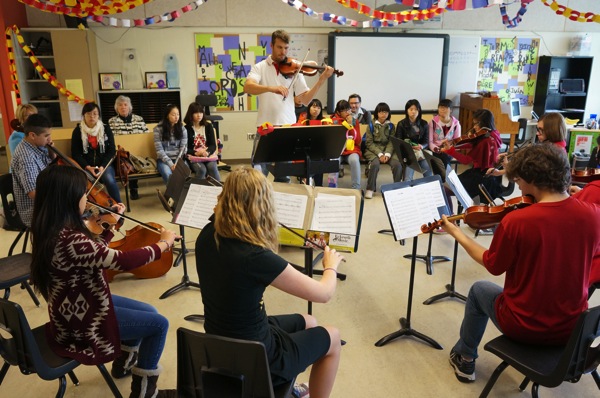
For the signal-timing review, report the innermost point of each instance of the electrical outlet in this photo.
(225, 137)
(251, 136)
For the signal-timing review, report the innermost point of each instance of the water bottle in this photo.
(592, 123)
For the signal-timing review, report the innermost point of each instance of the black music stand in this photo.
(404, 149)
(421, 201)
(169, 201)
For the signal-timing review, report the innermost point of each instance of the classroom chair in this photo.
(210, 366)
(549, 366)
(29, 350)
(11, 215)
(16, 270)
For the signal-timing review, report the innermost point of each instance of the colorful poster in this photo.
(509, 67)
(223, 62)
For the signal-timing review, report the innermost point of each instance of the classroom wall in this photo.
(264, 16)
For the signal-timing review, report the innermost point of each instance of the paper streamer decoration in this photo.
(84, 8)
(43, 72)
(573, 15)
(511, 23)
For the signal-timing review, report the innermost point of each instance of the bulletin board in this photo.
(223, 62)
(509, 67)
(582, 141)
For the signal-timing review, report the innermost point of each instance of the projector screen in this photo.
(391, 68)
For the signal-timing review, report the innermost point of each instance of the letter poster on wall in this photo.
(223, 61)
(509, 67)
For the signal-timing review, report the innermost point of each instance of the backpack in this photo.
(143, 165)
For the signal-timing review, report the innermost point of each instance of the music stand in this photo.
(310, 147)
(425, 200)
(410, 159)
(169, 201)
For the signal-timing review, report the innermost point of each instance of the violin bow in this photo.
(291, 86)
(99, 176)
(150, 227)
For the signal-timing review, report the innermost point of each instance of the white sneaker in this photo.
(368, 194)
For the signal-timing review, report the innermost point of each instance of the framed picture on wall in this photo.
(111, 81)
(156, 79)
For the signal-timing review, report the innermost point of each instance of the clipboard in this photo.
(410, 204)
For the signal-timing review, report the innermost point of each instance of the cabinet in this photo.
(552, 91)
(69, 54)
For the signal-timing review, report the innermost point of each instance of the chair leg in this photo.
(62, 386)
(523, 384)
(109, 380)
(73, 378)
(26, 285)
(493, 379)
(3, 371)
(534, 390)
(594, 375)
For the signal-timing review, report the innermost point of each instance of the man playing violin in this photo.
(546, 281)
(30, 157)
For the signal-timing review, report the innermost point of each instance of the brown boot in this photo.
(121, 367)
(143, 384)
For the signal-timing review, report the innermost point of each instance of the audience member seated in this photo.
(379, 149)
(202, 142)
(414, 130)
(125, 122)
(170, 141)
(93, 147)
(546, 289)
(351, 153)
(22, 113)
(443, 126)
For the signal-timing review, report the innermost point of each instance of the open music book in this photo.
(326, 216)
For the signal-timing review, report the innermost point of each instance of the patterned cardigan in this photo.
(82, 323)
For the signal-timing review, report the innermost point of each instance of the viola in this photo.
(290, 66)
(471, 136)
(585, 175)
(483, 216)
(138, 237)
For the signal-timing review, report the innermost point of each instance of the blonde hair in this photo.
(246, 209)
(22, 110)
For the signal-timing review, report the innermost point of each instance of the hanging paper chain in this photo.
(166, 17)
(573, 15)
(511, 23)
(396, 17)
(38, 67)
(84, 8)
(12, 67)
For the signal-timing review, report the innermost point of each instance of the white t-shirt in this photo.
(272, 108)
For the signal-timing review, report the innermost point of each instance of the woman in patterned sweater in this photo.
(87, 323)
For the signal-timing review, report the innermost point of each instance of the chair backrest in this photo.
(522, 129)
(206, 100)
(582, 353)
(8, 202)
(20, 348)
(214, 366)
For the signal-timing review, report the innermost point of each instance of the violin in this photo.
(290, 66)
(483, 216)
(471, 136)
(585, 175)
(97, 219)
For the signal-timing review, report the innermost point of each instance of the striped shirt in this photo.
(132, 124)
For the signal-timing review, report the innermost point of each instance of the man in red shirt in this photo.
(545, 288)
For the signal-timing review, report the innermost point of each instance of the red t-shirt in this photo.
(591, 194)
(546, 251)
(483, 154)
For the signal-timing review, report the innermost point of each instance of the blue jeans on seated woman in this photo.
(424, 166)
(109, 180)
(164, 170)
(200, 169)
(354, 161)
(141, 325)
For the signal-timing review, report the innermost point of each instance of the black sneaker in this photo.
(464, 370)
(133, 193)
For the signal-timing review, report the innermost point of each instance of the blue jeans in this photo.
(141, 325)
(478, 309)
(109, 180)
(354, 161)
(200, 169)
(424, 166)
(164, 170)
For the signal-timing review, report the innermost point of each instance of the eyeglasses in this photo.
(540, 130)
(354, 103)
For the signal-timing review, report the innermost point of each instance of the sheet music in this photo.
(334, 213)
(290, 209)
(198, 206)
(459, 190)
(411, 207)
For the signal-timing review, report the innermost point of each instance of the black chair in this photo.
(520, 138)
(549, 366)
(13, 220)
(210, 366)
(15, 270)
(593, 288)
(208, 100)
(29, 350)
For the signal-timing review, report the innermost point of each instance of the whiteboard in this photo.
(390, 68)
(463, 64)
(300, 44)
